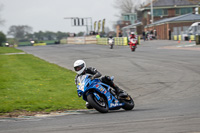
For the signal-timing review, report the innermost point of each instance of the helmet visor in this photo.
(78, 68)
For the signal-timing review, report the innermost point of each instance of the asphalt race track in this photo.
(162, 78)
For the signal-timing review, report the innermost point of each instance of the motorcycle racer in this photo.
(111, 41)
(133, 41)
(132, 36)
(81, 69)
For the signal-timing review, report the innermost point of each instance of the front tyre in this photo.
(133, 49)
(99, 105)
(111, 46)
(129, 103)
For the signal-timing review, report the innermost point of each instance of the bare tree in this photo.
(125, 6)
(2, 38)
(128, 6)
(1, 20)
(20, 32)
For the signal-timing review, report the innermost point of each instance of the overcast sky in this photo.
(48, 15)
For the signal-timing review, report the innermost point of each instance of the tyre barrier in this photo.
(121, 41)
(103, 41)
(117, 41)
(39, 44)
(181, 37)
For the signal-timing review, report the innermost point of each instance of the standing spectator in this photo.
(155, 34)
(144, 36)
(98, 36)
(151, 35)
(147, 35)
(169, 34)
(120, 34)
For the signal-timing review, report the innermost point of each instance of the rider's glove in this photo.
(79, 95)
(92, 77)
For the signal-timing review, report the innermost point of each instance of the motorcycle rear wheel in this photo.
(99, 105)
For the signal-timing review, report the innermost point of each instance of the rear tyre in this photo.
(129, 103)
(99, 105)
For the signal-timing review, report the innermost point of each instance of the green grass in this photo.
(28, 83)
(50, 41)
(4, 50)
(24, 43)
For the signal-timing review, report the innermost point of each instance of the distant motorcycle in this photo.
(133, 44)
(101, 96)
(111, 42)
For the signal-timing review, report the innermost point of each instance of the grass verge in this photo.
(4, 50)
(30, 84)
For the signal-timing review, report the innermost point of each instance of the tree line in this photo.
(24, 33)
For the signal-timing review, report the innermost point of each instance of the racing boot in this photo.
(120, 93)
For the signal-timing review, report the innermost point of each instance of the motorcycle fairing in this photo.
(88, 86)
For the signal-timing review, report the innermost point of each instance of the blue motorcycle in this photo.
(101, 96)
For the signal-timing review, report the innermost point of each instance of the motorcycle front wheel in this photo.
(100, 105)
(133, 49)
(129, 103)
(111, 46)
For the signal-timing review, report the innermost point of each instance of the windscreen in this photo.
(81, 79)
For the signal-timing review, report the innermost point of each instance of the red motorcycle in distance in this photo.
(133, 44)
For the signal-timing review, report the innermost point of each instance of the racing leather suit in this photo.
(132, 37)
(97, 74)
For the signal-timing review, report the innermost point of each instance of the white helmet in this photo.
(132, 33)
(79, 66)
